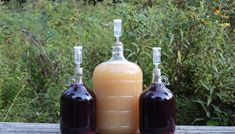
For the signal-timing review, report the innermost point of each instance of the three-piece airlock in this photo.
(78, 59)
(156, 56)
(78, 55)
(156, 62)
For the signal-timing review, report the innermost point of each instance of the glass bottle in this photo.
(78, 103)
(117, 85)
(157, 103)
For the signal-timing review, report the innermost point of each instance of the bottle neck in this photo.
(118, 52)
(156, 76)
(78, 74)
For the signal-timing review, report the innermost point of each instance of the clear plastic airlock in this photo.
(117, 28)
(78, 61)
(157, 71)
(156, 56)
(78, 55)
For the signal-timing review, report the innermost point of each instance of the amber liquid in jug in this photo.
(117, 85)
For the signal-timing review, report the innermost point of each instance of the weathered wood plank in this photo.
(47, 128)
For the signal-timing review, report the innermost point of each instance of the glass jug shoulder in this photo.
(118, 70)
(157, 91)
(77, 91)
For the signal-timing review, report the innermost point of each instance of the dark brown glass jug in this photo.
(157, 110)
(78, 105)
(157, 103)
(78, 110)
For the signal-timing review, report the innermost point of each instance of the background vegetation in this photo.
(197, 39)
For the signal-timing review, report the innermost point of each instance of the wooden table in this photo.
(47, 128)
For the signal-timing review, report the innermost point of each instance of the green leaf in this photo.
(197, 119)
(216, 108)
(203, 104)
(130, 55)
(209, 99)
(212, 123)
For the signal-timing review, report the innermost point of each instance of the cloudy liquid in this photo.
(117, 85)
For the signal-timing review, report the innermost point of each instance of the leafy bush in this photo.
(197, 40)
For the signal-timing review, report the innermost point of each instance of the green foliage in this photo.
(197, 40)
